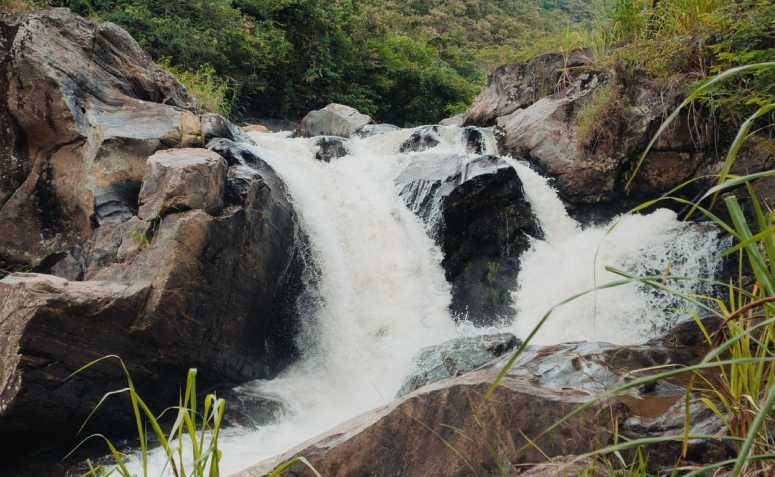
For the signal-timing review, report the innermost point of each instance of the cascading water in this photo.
(379, 293)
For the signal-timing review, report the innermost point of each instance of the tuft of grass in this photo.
(12, 7)
(603, 117)
(141, 237)
(211, 93)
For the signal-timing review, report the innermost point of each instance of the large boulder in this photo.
(183, 179)
(333, 120)
(588, 135)
(82, 106)
(444, 429)
(480, 216)
(210, 288)
(518, 85)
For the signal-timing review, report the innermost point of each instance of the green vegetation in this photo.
(199, 429)
(402, 62)
(741, 356)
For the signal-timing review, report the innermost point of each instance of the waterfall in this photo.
(376, 292)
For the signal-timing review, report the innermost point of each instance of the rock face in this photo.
(183, 180)
(483, 222)
(333, 120)
(518, 85)
(455, 358)
(211, 287)
(82, 106)
(547, 133)
(330, 147)
(416, 435)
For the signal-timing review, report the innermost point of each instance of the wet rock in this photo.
(117, 201)
(447, 429)
(216, 126)
(251, 408)
(213, 292)
(182, 179)
(235, 154)
(483, 224)
(330, 147)
(369, 130)
(82, 106)
(238, 183)
(333, 120)
(688, 333)
(474, 140)
(423, 138)
(518, 85)
(455, 358)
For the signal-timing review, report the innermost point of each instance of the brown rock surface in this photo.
(441, 429)
(82, 106)
(182, 179)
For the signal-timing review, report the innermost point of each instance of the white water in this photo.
(380, 294)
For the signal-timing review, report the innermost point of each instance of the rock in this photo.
(235, 154)
(547, 133)
(82, 106)
(687, 333)
(238, 184)
(252, 408)
(330, 147)
(118, 201)
(456, 120)
(368, 130)
(443, 429)
(255, 128)
(474, 140)
(190, 290)
(483, 224)
(215, 126)
(421, 139)
(333, 120)
(518, 85)
(50, 328)
(455, 358)
(182, 179)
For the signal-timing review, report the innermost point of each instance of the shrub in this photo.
(603, 117)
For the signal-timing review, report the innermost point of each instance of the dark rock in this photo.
(455, 358)
(180, 180)
(474, 140)
(82, 106)
(251, 408)
(484, 221)
(238, 184)
(330, 147)
(421, 139)
(235, 154)
(189, 290)
(447, 429)
(368, 130)
(333, 120)
(117, 201)
(687, 333)
(215, 126)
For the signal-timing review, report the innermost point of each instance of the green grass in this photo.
(211, 93)
(741, 355)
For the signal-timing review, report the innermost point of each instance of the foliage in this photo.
(741, 358)
(603, 117)
(200, 430)
(210, 92)
(11, 7)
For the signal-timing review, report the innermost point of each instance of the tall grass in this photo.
(742, 350)
(211, 93)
